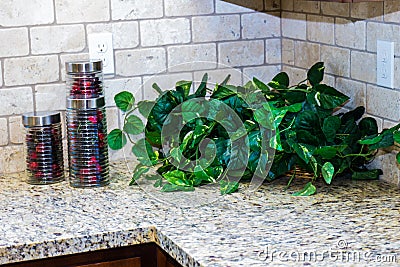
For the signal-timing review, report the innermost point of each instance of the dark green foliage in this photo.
(205, 142)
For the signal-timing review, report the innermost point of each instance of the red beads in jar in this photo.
(44, 151)
(84, 79)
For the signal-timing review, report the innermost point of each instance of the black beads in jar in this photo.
(44, 149)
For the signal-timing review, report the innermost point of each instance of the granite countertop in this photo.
(350, 223)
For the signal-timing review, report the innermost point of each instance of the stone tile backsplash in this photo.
(167, 40)
(159, 41)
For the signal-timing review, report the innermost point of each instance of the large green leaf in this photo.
(192, 110)
(124, 100)
(327, 172)
(145, 107)
(228, 187)
(354, 114)
(330, 126)
(328, 97)
(133, 125)
(315, 74)
(139, 171)
(202, 89)
(173, 187)
(177, 177)
(366, 174)
(368, 126)
(326, 152)
(307, 120)
(116, 139)
(260, 85)
(144, 152)
(225, 91)
(183, 87)
(386, 141)
(396, 137)
(280, 81)
(308, 190)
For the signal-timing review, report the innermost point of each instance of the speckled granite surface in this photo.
(347, 224)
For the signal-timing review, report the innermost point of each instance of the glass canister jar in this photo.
(44, 149)
(87, 142)
(84, 79)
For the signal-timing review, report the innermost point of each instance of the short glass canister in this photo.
(44, 149)
(87, 142)
(84, 79)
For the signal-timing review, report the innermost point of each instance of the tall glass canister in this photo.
(87, 142)
(44, 149)
(84, 79)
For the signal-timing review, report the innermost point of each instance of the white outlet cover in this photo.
(385, 63)
(101, 47)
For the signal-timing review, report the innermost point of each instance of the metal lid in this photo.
(84, 66)
(42, 118)
(85, 103)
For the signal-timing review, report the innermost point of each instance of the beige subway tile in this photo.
(14, 42)
(363, 66)
(367, 10)
(263, 73)
(136, 9)
(50, 97)
(353, 89)
(16, 130)
(192, 57)
(337, 60)
(140, 61)
(238, 6)
(188, 7)
(125, 33)
(225, 27)
(350, 33)
(272, 5)
(287, 5)
(329, 80)
(385, 32)
(383, 102)
(15, 101)
(307, 6)
(273, 51)
(387, 162)
(219, 75)
(71, 11)
(306, 54)
(296, 75)
(261, 25)
(320, 29)
(287, 51)
(12, 159)
(165, 31)
(392, 12)
(389, 124)
(31, 70)
(112, 117)
(241, 53)
(164, 81)
(57, 39)
(335, 9)
(22, 12)
(3, 131)
(294, 25)
(114, 86)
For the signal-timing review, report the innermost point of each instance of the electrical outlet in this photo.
(385, 63)
(101, 47)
